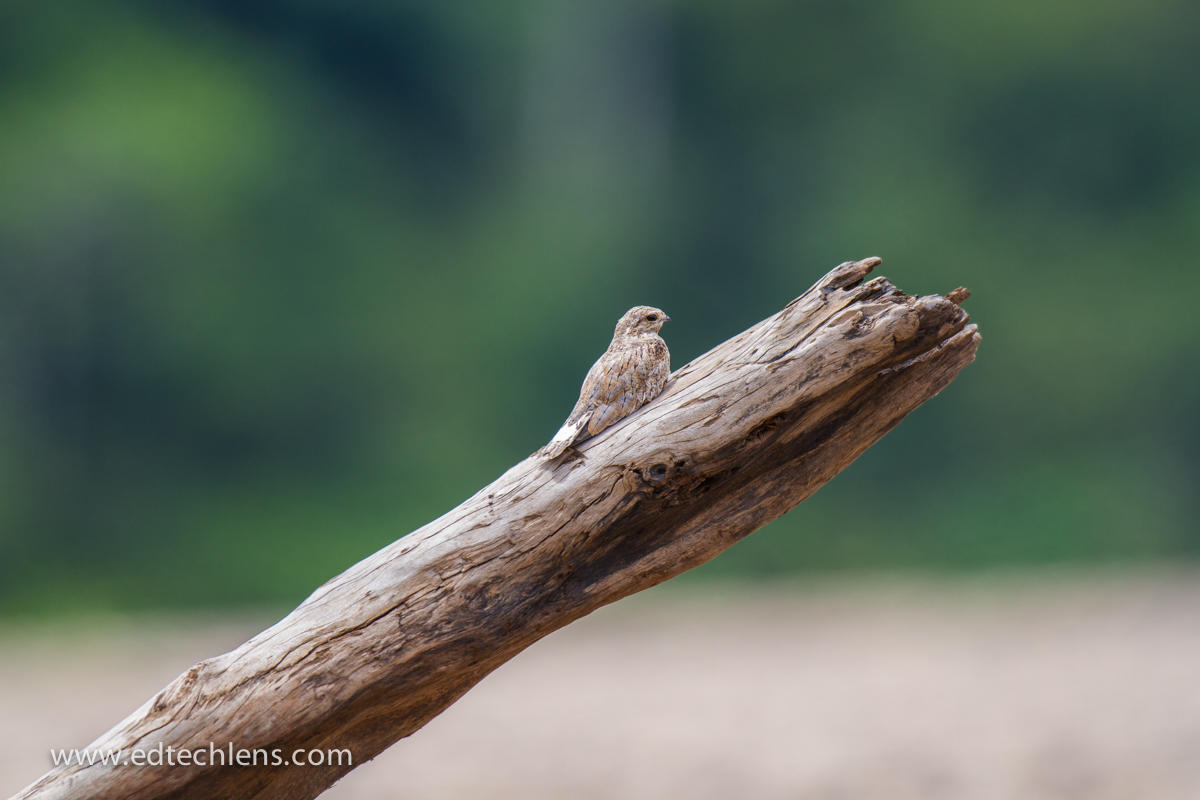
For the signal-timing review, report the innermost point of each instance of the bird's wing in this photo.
(627, 382)
(566, 435)
(577, 423)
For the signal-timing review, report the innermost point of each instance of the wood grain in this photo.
(739, 436)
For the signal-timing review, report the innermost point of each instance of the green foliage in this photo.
(282, 281)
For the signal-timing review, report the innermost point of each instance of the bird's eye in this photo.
(652, 317)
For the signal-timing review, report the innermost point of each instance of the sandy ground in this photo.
(1024, 686)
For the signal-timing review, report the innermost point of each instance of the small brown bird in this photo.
(631, 373)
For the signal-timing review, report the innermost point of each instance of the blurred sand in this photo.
(1083, 685)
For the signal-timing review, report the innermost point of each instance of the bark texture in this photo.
(738, 437)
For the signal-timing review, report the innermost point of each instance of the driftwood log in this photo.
(738, 437)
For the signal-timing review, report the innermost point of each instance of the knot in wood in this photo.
(656, 473)
(652, 476)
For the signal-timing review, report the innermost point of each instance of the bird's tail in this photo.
(565, 437)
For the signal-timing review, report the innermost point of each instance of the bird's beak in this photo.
(666, 317)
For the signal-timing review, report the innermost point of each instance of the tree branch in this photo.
(738, 437)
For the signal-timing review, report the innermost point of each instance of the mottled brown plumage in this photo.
(631, 373)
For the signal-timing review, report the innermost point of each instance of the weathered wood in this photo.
(738, 437)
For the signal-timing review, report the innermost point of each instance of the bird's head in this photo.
(641, 319)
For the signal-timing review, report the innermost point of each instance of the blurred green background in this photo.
(282, 281)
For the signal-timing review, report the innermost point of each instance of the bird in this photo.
(631, 373)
